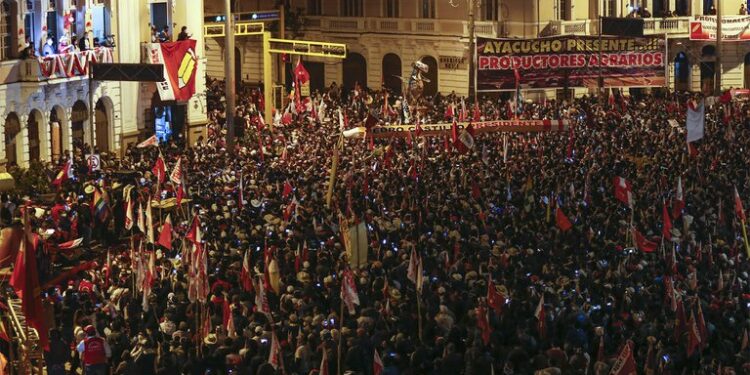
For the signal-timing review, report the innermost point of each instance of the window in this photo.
(563, 10)
(490, 10)
(391, 8)
(610, 8)
(314, 7)
(101, 22)
(351, 8)
(160, 19)
(427, 9)
(6, 18)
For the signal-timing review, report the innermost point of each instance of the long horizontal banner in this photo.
(733, 28)
(402, 131)
(570, 61)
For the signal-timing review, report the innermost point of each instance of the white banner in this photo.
(733, 28)
(166, 92)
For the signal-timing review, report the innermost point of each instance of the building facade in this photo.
(45, 104)
(384, 37)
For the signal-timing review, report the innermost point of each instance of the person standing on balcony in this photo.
(84, 44)
(49, 46)
(164, 35)
(743, 10)
(183, 34)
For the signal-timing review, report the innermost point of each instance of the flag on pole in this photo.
(69, 245)
(349, 291)
(625, 364)
(25, 282)
(246, 277)
(494, 298)
(739, 210)
(666, 229)
(415, 266)
(623, 191)
(377, 364)
(149, 222)
(165, 235)
(562, 221)
(678, 203)
(483, 323)
(150, 141)
(694, 336)
(176, 175)
(65, 173)
(695, 121)
(642, 243)
(274, 356)
(541, 318)
(159, 170)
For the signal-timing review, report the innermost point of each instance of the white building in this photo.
(45, 102)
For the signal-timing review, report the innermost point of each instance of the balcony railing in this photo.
(64, 65)
(401, 26)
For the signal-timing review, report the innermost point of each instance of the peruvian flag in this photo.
(477, 112)
(623, 191)
(150, 141)
(738, 209)
(300, 73)
(625, 364)
(274, 356)
(694, 336)
(194, 233)
(483, 323)
(180, 67)
(494, 298)
(414, 271)
(165, 235)
(288, 189)
(246, 278)
(678, 203)
(70, 244)
(541, 317)
(349, 291)
(159, 170)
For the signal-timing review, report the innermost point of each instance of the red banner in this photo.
(180, 66)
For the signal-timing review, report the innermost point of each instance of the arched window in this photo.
(708, 68)
(355, 71)
(392, 72)
(431, 88)
(681, 72)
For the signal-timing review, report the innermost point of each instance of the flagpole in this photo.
(744, 236)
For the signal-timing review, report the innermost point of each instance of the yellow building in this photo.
(45, 102)
(384, 37)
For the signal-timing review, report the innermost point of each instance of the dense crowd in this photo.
(489, 217)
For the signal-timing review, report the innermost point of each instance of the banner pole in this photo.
(744, 236)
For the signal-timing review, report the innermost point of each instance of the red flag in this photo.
(159, 170)
(25, 282)
(176, 175)
(226, 312)
(738, 209)
(165, 235)
(465, 140)
(494, 298)
(667, 227)
(246, 274)
(64, 174)
(483, 323)
(454, 132)
(542, 319)
(694, 336)
(623, 191)
(300, 73)
(477, 112)
(274, 356)
(288, 189)
(476, 192)
(702, 329)
(642, 243)
(625, 364)
(377, 364)
(194, 233)
(562, 221)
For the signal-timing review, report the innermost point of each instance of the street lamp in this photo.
(472, 42)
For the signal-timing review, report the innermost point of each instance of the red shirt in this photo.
(93, 351)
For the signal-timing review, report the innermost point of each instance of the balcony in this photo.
(64, 65)
(402, 26)
(674, 27)
(577, 27)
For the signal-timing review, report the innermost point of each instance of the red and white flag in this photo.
(70, 244)
(65, 173)
(274, 356)
(349, 291)
(623, 191)
(165, 235)
(625, 364)
(642, 243)
(694, 336)
(738, 209)
(246, 274)
(180, 68)
(159, 170)
(541, 318)
(494, 298)
(261, 299)
(377, 364)
(176, 175)
(150, 141)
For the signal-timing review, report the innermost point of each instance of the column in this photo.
(672, 5)
(22, 142)
(131, 19)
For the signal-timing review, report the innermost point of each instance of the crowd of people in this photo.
(254, 275)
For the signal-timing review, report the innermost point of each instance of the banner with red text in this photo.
(733, 28)
(180, 67)
(570, 61)
(396, 131)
